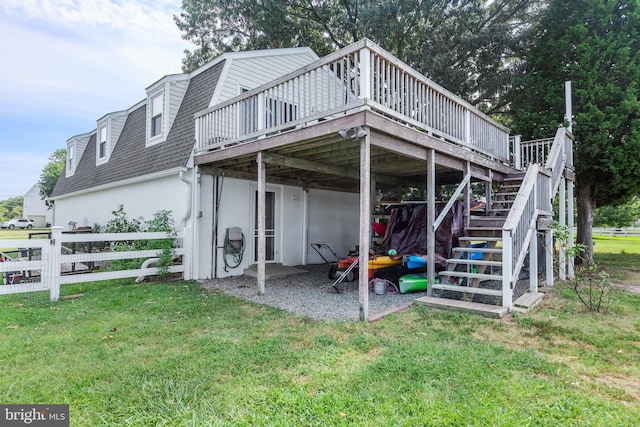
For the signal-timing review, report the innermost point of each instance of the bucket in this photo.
(379, 287)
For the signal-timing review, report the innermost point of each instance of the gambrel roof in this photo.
(130, 157)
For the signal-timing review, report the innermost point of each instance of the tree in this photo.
(51, 172)
(470, 46)
(624, 215)
(596, 45)
(11, 208)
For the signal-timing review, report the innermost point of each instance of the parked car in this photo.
(17, 223)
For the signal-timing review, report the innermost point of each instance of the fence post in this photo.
(55, 250)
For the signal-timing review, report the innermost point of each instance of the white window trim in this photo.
(107, 148)
(71, 160)
(162, 136)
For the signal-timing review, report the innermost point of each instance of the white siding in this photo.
(252, 72)
(332, 218)
(139, 199)
(35, 208)
(116, 124)
(203, 229)
(175, 95)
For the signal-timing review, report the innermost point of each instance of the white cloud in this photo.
(66, 51)
(66, 63)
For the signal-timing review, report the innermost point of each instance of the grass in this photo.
(620, 257)
(175, 354)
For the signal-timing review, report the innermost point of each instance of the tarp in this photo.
(407, 231)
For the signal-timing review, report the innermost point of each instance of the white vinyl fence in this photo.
(624, 231)
(45, 264)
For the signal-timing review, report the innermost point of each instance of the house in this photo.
(270, 151)
(35, 208)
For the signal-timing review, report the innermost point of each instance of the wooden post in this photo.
(562, 263)
(517, 152)
(548, 243)
(507, 268)
(533, 261)
(467, 197)
(431, 217)
(570, 224)
(262, 239)
(365, 227)
(365, 73)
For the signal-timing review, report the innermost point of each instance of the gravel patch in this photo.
(311, 295)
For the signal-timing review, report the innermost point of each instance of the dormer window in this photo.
(70, 153)
(156, 115)
(102, 146)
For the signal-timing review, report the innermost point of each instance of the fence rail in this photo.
(616, 231)
(361, 75)
(53, 268)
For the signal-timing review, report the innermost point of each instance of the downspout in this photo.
(187, 213)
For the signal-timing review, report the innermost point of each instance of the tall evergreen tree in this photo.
(596, 45)
(472, 47)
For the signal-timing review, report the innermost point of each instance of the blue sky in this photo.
(66, 63)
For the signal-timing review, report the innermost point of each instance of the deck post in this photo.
(517, 152)
(365, 226)
(431, 217)
(262, 239)
(507, 268)
(467, 197)
(533, 261)
(548, 243)
(570, 224)
(562, 204)
(365, 73)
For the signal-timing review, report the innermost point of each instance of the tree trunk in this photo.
(586, 206)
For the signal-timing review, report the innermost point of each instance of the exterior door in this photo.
(270, 226)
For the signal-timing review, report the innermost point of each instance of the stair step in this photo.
(481, 250)
(468, 289)
(507, 186)
(486, 310)
(503, 194)
(480, 239)
(487, 229)
(518, 176)
(474, 262)
(481, 276)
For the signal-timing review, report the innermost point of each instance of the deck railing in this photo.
(362, 75)
(539, 150)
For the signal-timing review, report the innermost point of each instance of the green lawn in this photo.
(619, 256)
(177, 355)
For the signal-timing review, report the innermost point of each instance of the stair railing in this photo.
(561, 155)
(534, 199)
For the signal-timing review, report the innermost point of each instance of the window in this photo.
(70, 157)
(156, 115)
(102, 148)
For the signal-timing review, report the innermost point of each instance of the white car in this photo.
(17, 223)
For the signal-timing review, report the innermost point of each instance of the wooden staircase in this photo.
(476, 264)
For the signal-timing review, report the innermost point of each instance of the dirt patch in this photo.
(630, 280)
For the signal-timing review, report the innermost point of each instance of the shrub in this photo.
(162, 221)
